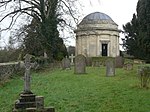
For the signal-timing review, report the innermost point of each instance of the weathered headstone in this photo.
(66, 63)
(72, 59)
(119, 62)
(45, 54)
(45, 58)
(29, 102)
(96, 63)
(88, 61)
(128, 66)
(110, 67)
(80, 64)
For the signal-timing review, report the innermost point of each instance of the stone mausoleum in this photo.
(97, 35)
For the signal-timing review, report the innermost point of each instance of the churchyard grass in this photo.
(92, 92)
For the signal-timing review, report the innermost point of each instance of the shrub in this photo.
(101, 59)
(144, 72)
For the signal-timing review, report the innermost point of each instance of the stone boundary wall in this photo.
(7, 69)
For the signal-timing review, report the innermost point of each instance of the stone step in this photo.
(27, 98)
(23, 105)
(48, 109)
(27, 95)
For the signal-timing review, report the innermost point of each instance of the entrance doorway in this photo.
(104, 49)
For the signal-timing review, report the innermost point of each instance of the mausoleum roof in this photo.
(97, 17)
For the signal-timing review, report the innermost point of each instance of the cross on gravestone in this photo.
(72, 57)
(29, 102)
(27, 76)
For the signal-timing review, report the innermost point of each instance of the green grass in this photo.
(92, 92)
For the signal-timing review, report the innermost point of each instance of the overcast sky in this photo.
(121, 11)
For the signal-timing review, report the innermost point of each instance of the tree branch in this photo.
(70, 11)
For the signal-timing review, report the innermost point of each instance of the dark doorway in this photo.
(104, 49)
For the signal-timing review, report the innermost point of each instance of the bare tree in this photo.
(38, 9)
(45, 12)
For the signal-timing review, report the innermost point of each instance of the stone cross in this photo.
(27, 74)
(72, 57)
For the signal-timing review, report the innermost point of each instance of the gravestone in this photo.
(45, 54)
(72, 59)
(96, 63)
(128, 66)
(88, 61)
(110, 67)
(66, 63)
(45, 58)
(29, 102)
(80, 64)
(119, 62)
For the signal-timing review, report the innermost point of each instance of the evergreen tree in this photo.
(47, 13)
(143, 14)
(32, 40)
(130, 41)
(137, 32)
(34, 43)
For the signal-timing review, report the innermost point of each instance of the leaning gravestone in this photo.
(80, 64)
(66, 63)
(119, 62)
(110, 67)
(29, 102)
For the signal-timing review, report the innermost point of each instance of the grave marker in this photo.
(119, 62)
(128, 66)
(72, 59)
(27, 76)
(29, 102)
(88, 61)
(66, 63)
(80, 64)
(110, 68)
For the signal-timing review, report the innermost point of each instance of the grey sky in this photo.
(121, 11)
